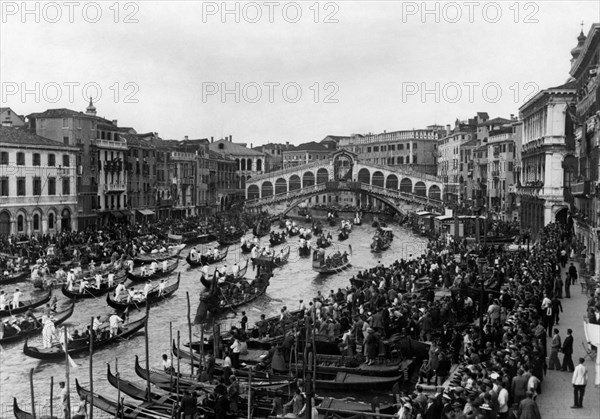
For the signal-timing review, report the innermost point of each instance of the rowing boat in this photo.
(13, 277)
(38, 327)
(321, 266)
(82, 345)
(137, 276)
(88, 292)
(343, 381)
(159, 256)
(205, 260)
(152, 298)
(26, 305)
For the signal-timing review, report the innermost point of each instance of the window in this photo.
(42, 123)
(51, 221)
(51, 160)
(20, 222)
(51, 186)
(4, 186)
(392, 147)
(66, 140)
(66, 160)
(78, 123)
(20, 186)
(383, 148)
(21, 159)
(400, 146)
(376, 148)
(4, 157)
(368, 149)
(414, 146)
(65, 123)
(36, 222)
(36, 159)
(37, 186)
(66, 186)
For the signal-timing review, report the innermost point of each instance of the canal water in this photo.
(293, 281)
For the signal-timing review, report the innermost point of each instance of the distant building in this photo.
(448, 154)
(409, 149)
(8, 116)
(306, 153)
(249, 162)
(274, 155)
(101, 178)
(37, 184)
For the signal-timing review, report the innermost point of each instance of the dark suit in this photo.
(567, 349)
(518, 388)
(528, 409)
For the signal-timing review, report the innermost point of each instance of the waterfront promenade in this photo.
(557, 392)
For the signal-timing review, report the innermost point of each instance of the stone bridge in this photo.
(343, 171)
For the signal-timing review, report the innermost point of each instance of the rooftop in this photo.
(310, 146)
(234, 149)
(67, 113)
(23, 137)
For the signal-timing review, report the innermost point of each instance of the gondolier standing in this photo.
(64, 399)
(114, 322)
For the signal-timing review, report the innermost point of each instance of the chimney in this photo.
(185, 138)
(448, 129)
(250, 143)
(384, 131)
(7, 122)
(212, 139)
(287, 143)
(115, 122)
(231, 139)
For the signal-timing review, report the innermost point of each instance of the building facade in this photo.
(410, 149)
(305, 153)
(273, 155)
(583, 175)
(547, 137)
(10, 118)
(249, 162)
(37, 184)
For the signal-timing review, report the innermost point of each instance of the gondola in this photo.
(26, 305)
(159, 273)
(321, 266)
(136, 392)
(164, 380)
(332, 364)
(160, 256)
(229, 279)
(293, 231)
(13, 277)
(382, 240)
(228, 304)
(317, 228)
(60, 317)
(124, 410)
(306, 234)
(21, 414)
(332, 222)
(304, 250)
(277, 238)
(229, 239)
(204, 260)
(323, 242)
(88, 292)
(81, 346)
(343, 234)
(343, 381)
(152, 298)
(193, 237)
(247, 247)
(282, 258)
(343, 408)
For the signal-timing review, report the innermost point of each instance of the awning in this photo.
(145, 212)
(117, 214)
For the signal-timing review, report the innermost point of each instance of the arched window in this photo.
(51, 221)
(20, 223)
(259, 165)
(36, 222)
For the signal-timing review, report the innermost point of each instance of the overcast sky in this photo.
(362, 67)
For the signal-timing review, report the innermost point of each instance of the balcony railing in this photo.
(581, 188)
(115, 187)
(495, 173)
(115, 145)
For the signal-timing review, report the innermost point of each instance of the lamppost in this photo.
(481, 261)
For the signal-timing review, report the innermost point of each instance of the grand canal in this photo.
(295, 280)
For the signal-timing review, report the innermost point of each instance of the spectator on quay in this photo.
(567, 350)
(579, 381)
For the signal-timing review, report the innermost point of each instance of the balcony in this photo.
(581, 188)
(162, 203)
(111, 145)
(495, 173)
(115, 187)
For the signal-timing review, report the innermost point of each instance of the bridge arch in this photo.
(378, 179)
(406, 185)
(364, 176)
(266, 189)
(420, 189)
(391, 182)
(308, 179)
(435, 192)
(295, 183)
(322, 175)
(253, 192)
(280, 186)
